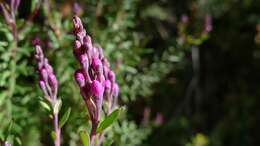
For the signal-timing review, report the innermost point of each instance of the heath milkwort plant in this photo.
(95, 78)
(49, 86)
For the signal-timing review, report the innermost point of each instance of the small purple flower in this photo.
(184, 18)
(76, 9)
(207, 23)
(36, 41)
(158, 119)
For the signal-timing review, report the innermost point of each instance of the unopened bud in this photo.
(115, 90)
(43, 87)
(53, 83)
(96, 64)
(84, 61)
(44, 74)
(111, 76)
(79, 77)
(77, 23)
(96, 89)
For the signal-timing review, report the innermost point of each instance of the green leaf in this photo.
(53, 135)
(64, 118)
(108, 120)
(84, 138)
(33, 4)
(45, 105)
(57, 106)
(18, 140)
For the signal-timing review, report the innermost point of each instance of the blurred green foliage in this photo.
(204, 85)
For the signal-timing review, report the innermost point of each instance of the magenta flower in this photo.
(48, 82)
(95, 78)
(49, 86)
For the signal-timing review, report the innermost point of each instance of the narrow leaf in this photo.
(108, 120)
(18, 140)
(64, 118)
(84, 138)
(57, 106)
(45, 105)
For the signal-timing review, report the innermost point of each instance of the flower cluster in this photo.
(47, 82)
(49, 86)
(95, 78)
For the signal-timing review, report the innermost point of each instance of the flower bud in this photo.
(95, 53)
(44, 74)
(53, 83)
(84, 61)
(80, 35)
(76, 8)
(43, 87)
(115, 90)
(79, 77)
(87, 42)
(49, 68)
(96, 89)
(36, 41)
(77, 24)
(100, 53)
(77, 49)
(77, 44)
(38, 50)
(107, 85)
(111, 76)
(105, 71)
(96, 64)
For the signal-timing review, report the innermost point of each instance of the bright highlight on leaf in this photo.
(45, 105)
(84, 138)
(108, 120)
(57, 106)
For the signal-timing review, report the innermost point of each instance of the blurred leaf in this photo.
(155, 11)
(108, 120)
(64, 118)
(45, 105)
(84, 136)
(18, 140)
(53, 135)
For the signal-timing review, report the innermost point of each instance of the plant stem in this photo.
(93, 132)
(57, 130)
(102, 134)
